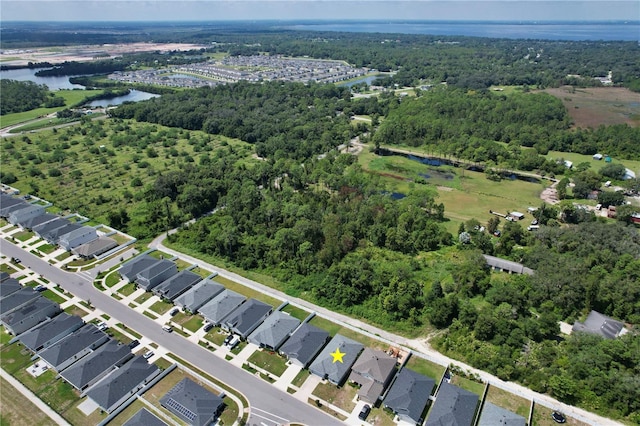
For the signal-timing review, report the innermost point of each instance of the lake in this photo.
(29, 74)
(133, 96)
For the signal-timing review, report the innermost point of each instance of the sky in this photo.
(216, 10)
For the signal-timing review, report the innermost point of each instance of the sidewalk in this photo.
(34, 399)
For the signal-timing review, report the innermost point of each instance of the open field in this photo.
(595, 164)
(18, 410)
(595, 106)
(87, 168)
(509, 401)
(71, 97)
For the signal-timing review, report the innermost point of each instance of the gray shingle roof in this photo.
(274, 330)
(144, 418)
(95, 247)
(372, 370)
(97, 363)
(133, 375)
(156, 273)
(507, 265)
(492, 415)
(39, 220)
(17, 299)
(130, 269)
(305, 343)
(599, 324)
(454, 406)
(55, 234)
(177, 284)
(336, 372)
(199, 294)
(192, 402)
(9, 286)
(51, 331)
(49, 226)
(73, 344)
(222, 305)
(30, 315)
(247, 317)
(409, 394)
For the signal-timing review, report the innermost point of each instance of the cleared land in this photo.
(595, 106)
(18, 410)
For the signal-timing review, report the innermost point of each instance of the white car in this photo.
(102, 326)
(147, 355)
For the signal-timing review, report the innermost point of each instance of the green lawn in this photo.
(334, 329)
(112, 279)
(161, 307)
(215, 337)
(51, 295)
(270, 361)
(339, 396)
(596, 165)
(470, 385)
(248, 292)
(295, 312)
(127, 290)
(47, 248)
(300, 378)
(428, 368)
(508, 401)
(23, 235)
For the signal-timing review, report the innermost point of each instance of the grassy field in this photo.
(542, 417)
(246, 291)
(425, 367)
(295, 312)
(334, 329)
(595, 164)
(470, 385)
(86, 168)
(17, 409)
(509, 401)
(71, 97)
(465, 194)
(269, 361)
(339, 396)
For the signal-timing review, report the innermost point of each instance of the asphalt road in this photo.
(268, 405)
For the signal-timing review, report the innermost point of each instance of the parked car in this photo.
(364, 412)
(233, 342)
(16, 260)
(207, 326)
(497, 233)
(174, 311)
(40, 287)
(558, 417)
(133, 344)
(147, 355)
(228, 339)
(167, 328)
(102, 326)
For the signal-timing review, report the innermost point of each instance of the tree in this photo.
(492, 224)
(611, 198)
(613, 170)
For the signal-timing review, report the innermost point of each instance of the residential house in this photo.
(77, 237)
(9, 204)
(54, 235)
(220, 306)
(335, 360)
(155, 274)
(507, 265)
(8, 286)
(373, 371)
(198, 295)
(29, 315)
(492, 415)
(409, 395)
(73, 347)
(304, 344)
(176, 285)
(454, 406)
(47, 227)
(96, 365)
(144, 418)
(129, 270)
(38, 220)
(193, 403)
(51, 331)
(28, 212)
(3, 277)
(95, 248)
(115, 388)
(272, 333)
(601, 325)
(247, 317)
(17, 299)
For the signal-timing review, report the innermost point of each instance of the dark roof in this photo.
(63, 323)
(156, 273)
(247, 317)
(38, 220)
(95, 247)
(305, 343)
(28, 210)
(130, 269)
(177, 284)
(221, 306)
(144, 418)
(156, 268)
(7, 201)
(492, 415)
(454, 406)
(73, 344)
(56, 233)
(599, 324)
(199, 294)
(112, 388)
(409, 394)
(324, 365)
(17, 299)
(92, 366)
(372, 370)
(4, 276)
(272, 332)
(9, 286)
(192, 402)
(31, 314)
(49, 226)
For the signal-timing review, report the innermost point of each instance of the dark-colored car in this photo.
(558, 417)
(228, 339)
(133, 344)
(364, 412)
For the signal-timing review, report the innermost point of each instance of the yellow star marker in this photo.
(337, 355)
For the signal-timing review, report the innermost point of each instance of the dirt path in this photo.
(550, 194)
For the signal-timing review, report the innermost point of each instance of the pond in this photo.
(367, 79)
(132, 96)
(29, 74)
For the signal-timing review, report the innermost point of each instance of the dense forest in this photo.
(18, 96)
